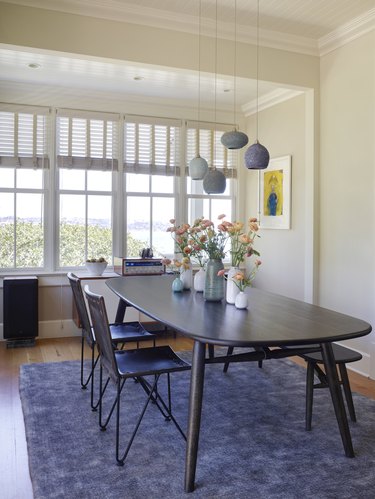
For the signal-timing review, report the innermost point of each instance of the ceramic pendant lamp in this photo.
(215, 182)
(234, 139)
(257, 157)
(198, 166)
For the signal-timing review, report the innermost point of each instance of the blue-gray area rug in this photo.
(253, 443)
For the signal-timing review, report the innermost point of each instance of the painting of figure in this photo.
(273, 193)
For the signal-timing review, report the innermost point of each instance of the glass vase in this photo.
(214, 284)
(186, 276)
(232, 289)
(177, 285)
(199, 280)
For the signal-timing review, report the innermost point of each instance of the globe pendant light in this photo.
(257, 157)
(198, 166)
(215, 182)
(234, 139)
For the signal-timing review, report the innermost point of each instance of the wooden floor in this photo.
(15, 481)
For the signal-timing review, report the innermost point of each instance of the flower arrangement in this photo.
(241, 279)
(202, 240)
(242, 242)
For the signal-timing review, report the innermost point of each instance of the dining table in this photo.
(273, 326)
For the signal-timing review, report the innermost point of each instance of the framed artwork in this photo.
(274, 194)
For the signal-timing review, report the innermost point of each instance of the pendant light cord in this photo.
(257, 73)
(235, 65)
(199, 65)
(215, 90)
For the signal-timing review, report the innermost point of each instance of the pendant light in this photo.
(234, 139)
(215, 182)
(198, 166)
(257, 157)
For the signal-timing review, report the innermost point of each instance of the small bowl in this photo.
(96, 268)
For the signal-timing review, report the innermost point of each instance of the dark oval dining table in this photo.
(273, 325)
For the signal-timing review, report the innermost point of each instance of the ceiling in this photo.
(307, 26)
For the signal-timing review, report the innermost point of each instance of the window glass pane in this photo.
(221, 207)
(6, 229)
(138, 225)
(29, 179)
(72, 230)
(198, 208)
(99, 181)
(137, 182)
(73, 180)
(162, 184)
(162, 212)
(99, 228)
(29, 230)
(7, 177)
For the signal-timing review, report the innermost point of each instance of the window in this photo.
(104, 184)
(205, 139)
(151, 166)
(23, 166)
(87, 155)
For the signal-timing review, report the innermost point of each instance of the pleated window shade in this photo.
(87, 141)
(23, 137)
(204, 138)
(152, 146)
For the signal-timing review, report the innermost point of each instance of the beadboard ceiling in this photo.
(307, 26)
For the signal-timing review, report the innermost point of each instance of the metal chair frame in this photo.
(120, 365)
(121, 333)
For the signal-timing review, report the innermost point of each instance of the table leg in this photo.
(195, 409)
(336, 394)
(120, 313)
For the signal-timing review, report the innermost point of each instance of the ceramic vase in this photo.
(214, 284)
(177, 285)
(241, 300)
(199, 280)
(186, 276)
(232, 289)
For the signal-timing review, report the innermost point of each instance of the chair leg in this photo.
(83, 384)
(309, 395)
(347, 391)
(120, 460)
(226, 365)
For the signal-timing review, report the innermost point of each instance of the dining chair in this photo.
(343, 356)
(120, 365)
(121, 333)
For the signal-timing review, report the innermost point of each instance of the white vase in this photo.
(232, 289)
(241, 300)
(186, 276)
(199, 280)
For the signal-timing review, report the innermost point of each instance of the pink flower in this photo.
(253, 220)
(253, 226)
(221, 273)
(220, 217)
(257, 263)
(172, 221)
(187, 250)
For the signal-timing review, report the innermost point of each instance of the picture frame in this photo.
(274, 198)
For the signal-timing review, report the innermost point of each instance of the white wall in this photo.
(282, 131)
(347, 184)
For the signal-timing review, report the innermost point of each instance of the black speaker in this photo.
(20, 306)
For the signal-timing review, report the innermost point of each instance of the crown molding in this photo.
(347, 32)
(115, 10)
(271, 99)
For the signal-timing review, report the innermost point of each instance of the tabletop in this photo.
(270, 320)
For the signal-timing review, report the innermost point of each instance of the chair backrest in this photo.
(102, 332)
(80, 304)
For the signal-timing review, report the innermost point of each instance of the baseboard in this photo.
(53, 329)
